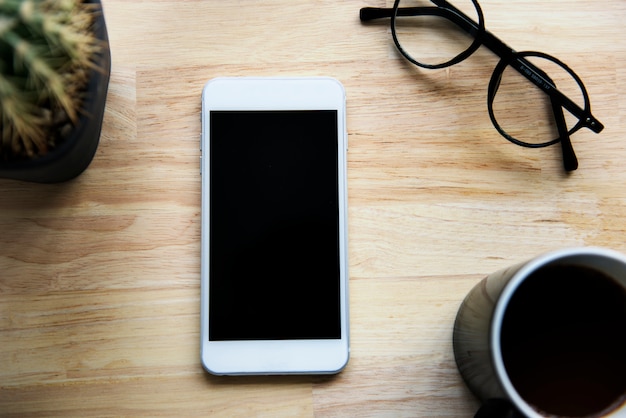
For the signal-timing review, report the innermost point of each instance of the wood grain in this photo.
(99, 277)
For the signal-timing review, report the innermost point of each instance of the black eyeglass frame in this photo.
(508, 57)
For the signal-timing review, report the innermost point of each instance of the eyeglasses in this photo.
(443, 35)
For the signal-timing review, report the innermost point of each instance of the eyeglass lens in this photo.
(525, 112)
(431, 38)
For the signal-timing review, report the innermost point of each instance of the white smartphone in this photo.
(274, 226)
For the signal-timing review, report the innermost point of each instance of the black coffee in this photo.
(563, 341)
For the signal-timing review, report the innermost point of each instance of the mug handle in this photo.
(498, 408)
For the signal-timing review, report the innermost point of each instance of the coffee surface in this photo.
(563, 341)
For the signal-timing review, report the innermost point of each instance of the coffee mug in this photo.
(547, 337)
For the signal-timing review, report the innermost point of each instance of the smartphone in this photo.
(274, 256)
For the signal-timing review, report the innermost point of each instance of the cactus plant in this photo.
(47, 52)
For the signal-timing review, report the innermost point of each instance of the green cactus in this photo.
(47, 51)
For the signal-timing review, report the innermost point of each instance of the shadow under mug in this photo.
(547, 337)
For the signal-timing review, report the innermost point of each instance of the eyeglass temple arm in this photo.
(523, 66)
(371, 13)
(570, 162)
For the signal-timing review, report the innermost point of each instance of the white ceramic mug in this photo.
(548, 336)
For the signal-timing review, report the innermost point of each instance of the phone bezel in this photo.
(284, 356)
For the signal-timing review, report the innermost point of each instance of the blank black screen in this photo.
(274, 226)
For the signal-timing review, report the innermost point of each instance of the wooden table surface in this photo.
(100, 277)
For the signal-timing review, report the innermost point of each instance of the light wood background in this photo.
(100, 277)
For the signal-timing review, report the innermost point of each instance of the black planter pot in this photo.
(71, 157)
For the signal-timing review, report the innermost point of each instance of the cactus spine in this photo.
(47, 51)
